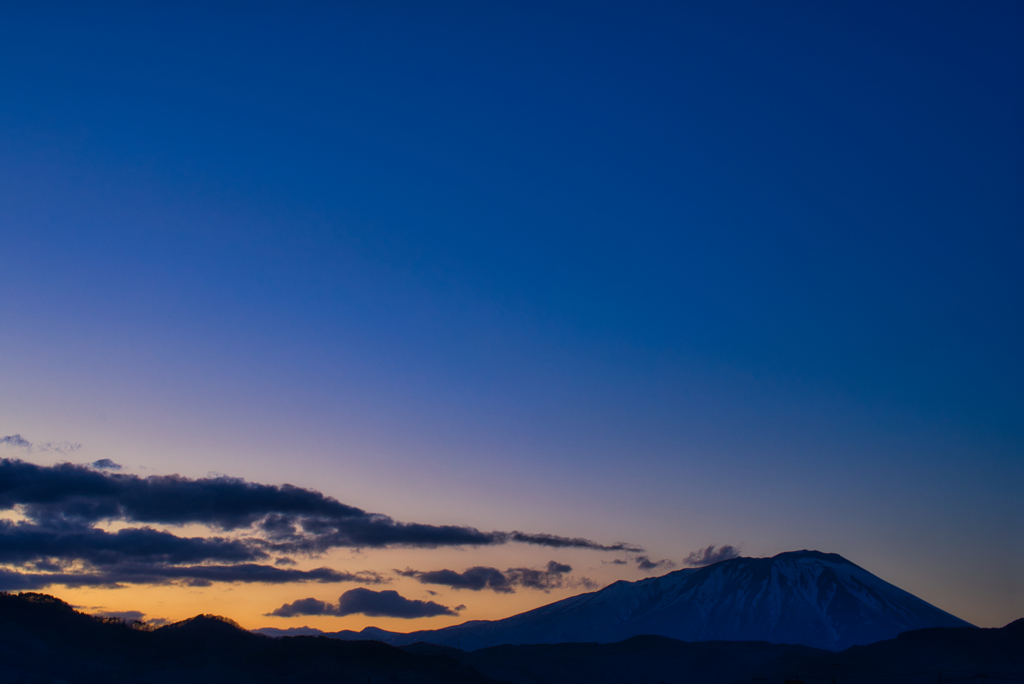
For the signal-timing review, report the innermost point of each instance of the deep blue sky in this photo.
(688, 273)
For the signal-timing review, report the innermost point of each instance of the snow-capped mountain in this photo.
(800, 597)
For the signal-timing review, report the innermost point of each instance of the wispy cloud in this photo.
(62, 448)
(565, 542)
(711, 554)
(385, 603)
(16, 441)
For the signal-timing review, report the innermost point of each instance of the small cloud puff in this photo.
(16, 441)
(106, 464)
(646, 564)
(710, 555)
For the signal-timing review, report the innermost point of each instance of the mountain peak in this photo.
(803, 597)
(203, 624)
(810, 553)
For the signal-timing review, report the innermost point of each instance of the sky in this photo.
(500, 289)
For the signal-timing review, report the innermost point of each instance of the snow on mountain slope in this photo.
(800, 597)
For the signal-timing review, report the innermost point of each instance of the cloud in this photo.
(59, 447)
(306, 606)
(480, 577)
(646, 564)
(294, 519)
(106, 464)
(255, 524)
(24, 542)
(711, 554)
(76, 555)
(474, 579)
(385, 603)
(545, 580)
(566, 542)
(191, 575)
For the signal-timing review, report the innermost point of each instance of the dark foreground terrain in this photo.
(959, 654)
(43, 639)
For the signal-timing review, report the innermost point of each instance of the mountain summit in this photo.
(800, 597)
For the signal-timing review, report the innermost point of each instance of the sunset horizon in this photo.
(417, 316)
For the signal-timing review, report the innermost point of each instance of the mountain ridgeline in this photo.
(43, 639)
(808, 598)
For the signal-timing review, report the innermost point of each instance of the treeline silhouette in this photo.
(43, 639)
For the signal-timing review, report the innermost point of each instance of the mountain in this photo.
(809, 598)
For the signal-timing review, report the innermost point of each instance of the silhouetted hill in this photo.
(918, 657)
(44, 639)
(811, 598)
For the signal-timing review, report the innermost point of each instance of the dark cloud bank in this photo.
(367, 602)
(59, 542)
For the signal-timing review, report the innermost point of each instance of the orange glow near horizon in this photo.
(249, 604)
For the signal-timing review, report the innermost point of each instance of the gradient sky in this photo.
(670, 274)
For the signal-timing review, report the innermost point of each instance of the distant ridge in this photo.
(804, 597)
(43, 639)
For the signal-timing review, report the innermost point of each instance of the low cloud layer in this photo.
(554, 576)
(366, 602)
(257, 526)
(711, 554)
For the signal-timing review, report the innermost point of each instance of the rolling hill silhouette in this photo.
(42, 639)
(927, 656)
